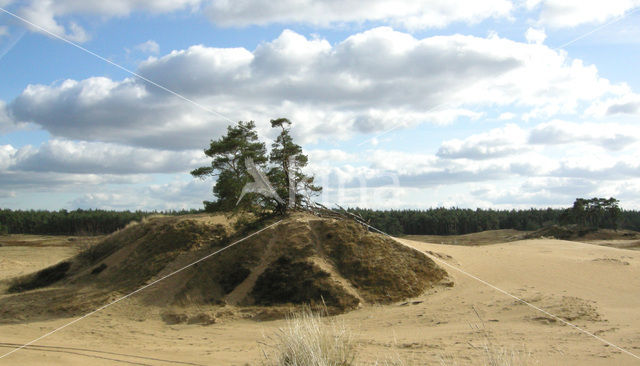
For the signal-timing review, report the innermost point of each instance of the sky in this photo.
(399, 104)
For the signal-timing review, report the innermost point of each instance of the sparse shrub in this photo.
(298, 282)
(249, 223)
(310, 340)
(172, 318)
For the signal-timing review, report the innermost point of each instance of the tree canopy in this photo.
(228, 154)
(594, 213)
(286, 173)
(283, 165)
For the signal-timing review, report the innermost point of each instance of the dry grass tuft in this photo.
(309, 339)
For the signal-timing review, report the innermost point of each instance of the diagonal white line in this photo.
(12, 44)
(615, 20)
(534, 307)
(138, 290)
(379, 135)
(510, 295)
(118, 66)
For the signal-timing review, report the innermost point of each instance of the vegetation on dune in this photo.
(286, 173)
(43, 278)
(150, 246)
(299, 282)
(305, 260)
(228, 154)
(283, 169)
(365, 260)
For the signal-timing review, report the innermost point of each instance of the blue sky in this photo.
(404, 104)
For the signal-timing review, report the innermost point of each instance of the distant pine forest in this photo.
(593, 213)
(459, 221)
(76, 222)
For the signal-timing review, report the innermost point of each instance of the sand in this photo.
(594, 287)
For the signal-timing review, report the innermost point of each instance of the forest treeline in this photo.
(592, 213)
(76, 222)
(588, 213)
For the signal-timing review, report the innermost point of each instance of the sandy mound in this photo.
(569, 308)
(472, 239)
(304, 259)
(577, 233)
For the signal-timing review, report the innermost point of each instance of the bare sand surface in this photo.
(20, 260)
(594, 287)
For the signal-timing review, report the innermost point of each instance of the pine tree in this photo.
(229, 154)
(286, 173)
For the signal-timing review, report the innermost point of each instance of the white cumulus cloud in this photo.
(82, 157)
(48, 13)
(328, 90)
(607, 135)
(409, 14)
(54, 15)
(495, 143)
(533, 35)
(149, 46)
(571, 13)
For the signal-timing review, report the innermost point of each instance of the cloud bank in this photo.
(330, 91)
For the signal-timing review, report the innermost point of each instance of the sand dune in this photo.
(594, 287)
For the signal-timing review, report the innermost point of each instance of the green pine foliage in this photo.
(594, 213)
(229, 153)
(287, 161)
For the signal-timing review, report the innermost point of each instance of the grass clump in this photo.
(312, 339)
(308, 339)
